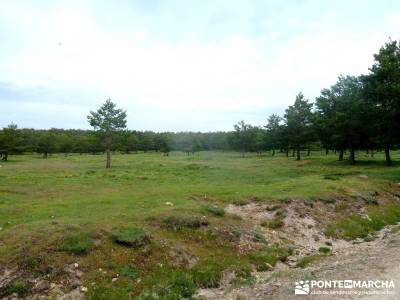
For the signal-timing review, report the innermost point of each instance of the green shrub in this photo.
(131, 237)
(214, 210)
(19, 287)
(324, 250)
(77, 243)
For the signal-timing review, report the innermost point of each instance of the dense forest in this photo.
(356, 113)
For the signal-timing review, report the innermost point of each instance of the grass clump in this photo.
(274, 223)
(324, 250)
(77, 243)
(214, 210)
(259, 237)
(19, 287)
(179, 223)
(357, 226)
(179, 285)
(106, 292)
(305, 261)
(131, 237)
(270, 256)
(129, 272)
(207, 275)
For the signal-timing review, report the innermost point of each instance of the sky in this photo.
(180, 65)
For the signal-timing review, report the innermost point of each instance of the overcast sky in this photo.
(180, 65)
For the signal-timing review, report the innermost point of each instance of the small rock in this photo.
(169, 203)
(79, 274)
(269, 266)
(42, 285)
(114, 279)
(76, 265)
(316, 237)
(84, 289)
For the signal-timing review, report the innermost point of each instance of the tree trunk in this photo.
(340, 155)
(273, 151)
(372, 153)
(387, 155)
(287, 152)
(352, 157)
(298, 152)
(5, 156)
(326, 151)
(308, 151)
(108, 164)
(45, 155)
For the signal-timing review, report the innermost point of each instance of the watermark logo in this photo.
(344, 287)
(302, 287)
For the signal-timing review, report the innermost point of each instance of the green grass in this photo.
(274, 223)
(324, 250)
(214, 209)
(71, 203)
(358, 226)
(131, 237)
(307, 260)
(270, 256)
(77, 243)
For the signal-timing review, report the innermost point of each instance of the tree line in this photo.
(356, 113)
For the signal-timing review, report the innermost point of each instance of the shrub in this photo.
(19, 287)
(131, 237)
(324, 250)
(77, 243)
(214, 210)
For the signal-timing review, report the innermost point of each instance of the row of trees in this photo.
(18, 141)
(356, 113)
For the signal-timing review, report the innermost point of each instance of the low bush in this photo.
(77, 243)
(131, 237)
(324, 250)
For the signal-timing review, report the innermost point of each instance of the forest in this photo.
(356, 113)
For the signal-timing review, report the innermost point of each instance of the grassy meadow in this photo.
(65, 210)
